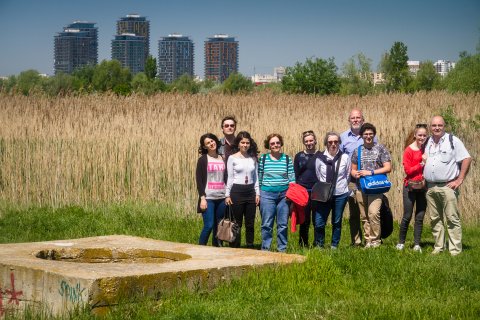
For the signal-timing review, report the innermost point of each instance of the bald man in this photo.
(445, 169)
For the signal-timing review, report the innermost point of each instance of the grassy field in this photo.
(349, 283)
(91, 165)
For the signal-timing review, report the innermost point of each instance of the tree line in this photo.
(314, 76)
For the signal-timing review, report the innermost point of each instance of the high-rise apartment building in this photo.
(221, 57)
(129, 49)
(137, 25)
(75, 47)
(175, 57)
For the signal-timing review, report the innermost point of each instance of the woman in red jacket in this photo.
(413, 162)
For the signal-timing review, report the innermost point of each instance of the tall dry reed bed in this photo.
(96, 149)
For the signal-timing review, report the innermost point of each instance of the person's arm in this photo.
(318, 164)
(291, 172)
(465, 166)
(201, 179)
(257, 186)
(230, 179)
(296, 165)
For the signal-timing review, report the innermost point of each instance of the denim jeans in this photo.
(211, 217)
(274, 205)
(336, 204)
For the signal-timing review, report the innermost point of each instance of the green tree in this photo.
(395, 67)
(427, 77)
(185, 84)
(28, 80)
(357, 75)
(109, 75)
(60, 84)
(141, 84)
(83, 78)
(465, 77)
(151, 68)
(316, 76)
(237, 83)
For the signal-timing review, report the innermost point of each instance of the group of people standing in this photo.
(232, 176)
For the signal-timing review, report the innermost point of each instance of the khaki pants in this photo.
(354, 219)
(369, 206)
(443, 204)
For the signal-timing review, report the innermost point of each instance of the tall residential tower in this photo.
(132, 42)
(139, 26)
(221, 57)
(75, 47)
(129, 49)
(175, 57)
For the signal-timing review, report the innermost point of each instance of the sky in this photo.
(270, 33)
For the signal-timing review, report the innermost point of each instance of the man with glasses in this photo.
(445, 169)
(229, 125)
(351, 139)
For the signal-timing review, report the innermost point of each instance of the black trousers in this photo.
(244, 208)
(411, 199)
(304, 227)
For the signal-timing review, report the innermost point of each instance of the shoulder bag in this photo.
(323, 191)
(375, 184)
(227, 229)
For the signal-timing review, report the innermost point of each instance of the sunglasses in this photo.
(421, 125)
(333, 142)
(229, 125)
(275, 143)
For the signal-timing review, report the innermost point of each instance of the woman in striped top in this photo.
(275, 174)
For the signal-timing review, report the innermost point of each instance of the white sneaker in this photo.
(376, 244)
(417, 248)
(400, 246)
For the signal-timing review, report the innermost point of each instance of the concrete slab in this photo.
(102, 271)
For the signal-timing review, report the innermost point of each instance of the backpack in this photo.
(450, 138)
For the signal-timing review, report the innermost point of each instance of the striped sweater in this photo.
(275, 175)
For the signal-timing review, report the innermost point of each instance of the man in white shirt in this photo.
(445, 169)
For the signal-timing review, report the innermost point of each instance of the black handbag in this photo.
(323, 191)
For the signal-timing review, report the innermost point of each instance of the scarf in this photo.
(330, 163)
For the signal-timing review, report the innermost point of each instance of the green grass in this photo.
(349, 283)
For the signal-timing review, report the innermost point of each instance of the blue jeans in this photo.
(274, 205)
(211, 217)
(336, 204)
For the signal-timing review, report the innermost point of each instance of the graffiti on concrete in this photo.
(11, 294)
(71, 293)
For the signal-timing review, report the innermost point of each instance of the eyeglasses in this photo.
(226, 125)
(333, 142)
(421, 125)
(273, 143)
(368, 134)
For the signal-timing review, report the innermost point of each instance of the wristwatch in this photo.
(372, 172)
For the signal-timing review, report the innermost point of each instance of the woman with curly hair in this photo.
(210, 177)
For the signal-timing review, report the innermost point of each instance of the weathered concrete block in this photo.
(103, 271)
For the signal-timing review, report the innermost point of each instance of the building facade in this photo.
(75, 47)
(137, 25)
(175, 57)
(221, 57)
(443, 67)
(129, 49)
